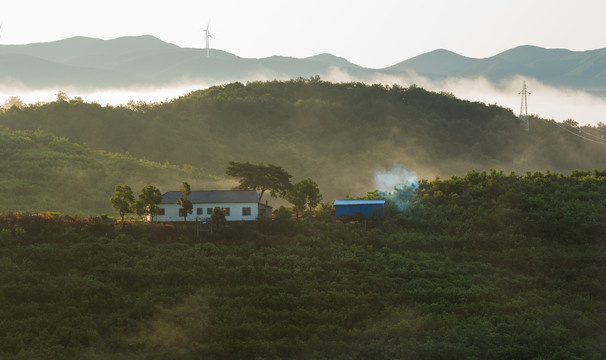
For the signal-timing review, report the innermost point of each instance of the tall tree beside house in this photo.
(123, 200)
(260, 177)
(147, 203)
(304, 194)
(186, 205)
(217, 218)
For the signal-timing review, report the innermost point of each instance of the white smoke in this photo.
(398, 185)
(398, 178)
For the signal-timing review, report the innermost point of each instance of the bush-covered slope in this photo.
(436, 282)
(42, 172)
(337, 134)
(565, 208)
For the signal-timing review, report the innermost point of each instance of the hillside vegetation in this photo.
(42, 172)
(483, 266)
(338, 134)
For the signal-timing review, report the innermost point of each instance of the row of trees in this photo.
(271, 178)
(123, 201)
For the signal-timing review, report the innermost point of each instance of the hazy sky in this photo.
(373, 34)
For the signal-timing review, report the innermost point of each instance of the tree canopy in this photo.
(217, 218)
(303, 194)
(186, 204)
(147, 203)
(123, 200)
(260, 177)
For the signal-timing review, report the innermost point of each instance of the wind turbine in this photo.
(208, 37)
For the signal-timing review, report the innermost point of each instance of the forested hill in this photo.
(40, 172)
(336, 133)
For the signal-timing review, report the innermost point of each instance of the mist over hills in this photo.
(581, 70)
(147, 61)
(339, 134)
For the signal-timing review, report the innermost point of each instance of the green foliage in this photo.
(304, 193)
(482, 265)
(147, 203)
(546, 205)
(282, 214)
(326, 212)
(335, 133)
(40, 172)
(260, 177)
(217, 218)
(123, 200)
(184, 202)
(331, 291)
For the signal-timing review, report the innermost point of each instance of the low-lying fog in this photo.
(544, 101)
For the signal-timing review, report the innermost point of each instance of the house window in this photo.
(246, 211)
(226, 211)
(161, 211)
(209, 211)
(199, 211)
(263, 212)
(182, 212)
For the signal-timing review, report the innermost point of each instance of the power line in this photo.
(582, 137)
(592, 135)
(596, 129)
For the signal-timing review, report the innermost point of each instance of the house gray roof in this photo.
(213, 196)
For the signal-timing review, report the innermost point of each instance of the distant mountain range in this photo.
(145, 60)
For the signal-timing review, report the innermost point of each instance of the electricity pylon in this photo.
(524, 106)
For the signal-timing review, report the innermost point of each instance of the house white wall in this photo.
(171, 212)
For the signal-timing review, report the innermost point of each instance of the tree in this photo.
(14, 101)
(304, 193)
(282, 214)
(148, 201)
(123, 200)
(62, 96)
(217, 218)
(186, 205)
(260, 177)
(326, 212)
(297, 198)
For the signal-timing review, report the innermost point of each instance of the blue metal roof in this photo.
(358, 202)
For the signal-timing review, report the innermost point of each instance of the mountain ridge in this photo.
(147, 60)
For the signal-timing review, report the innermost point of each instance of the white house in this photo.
(238, 205)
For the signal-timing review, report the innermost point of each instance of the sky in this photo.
(373, 34)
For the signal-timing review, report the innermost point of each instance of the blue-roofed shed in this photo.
(352, 207)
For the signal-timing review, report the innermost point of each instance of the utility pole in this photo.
(524, 106)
